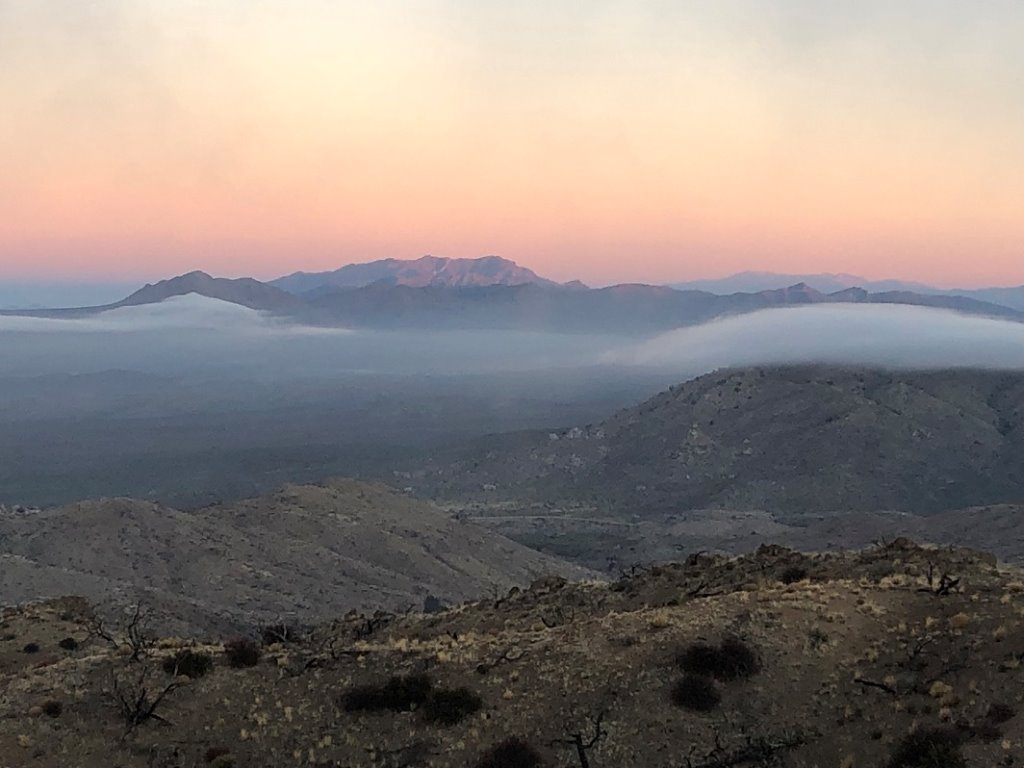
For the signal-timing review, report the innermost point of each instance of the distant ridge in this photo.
(417, 273)
(497, 294)
(244, 291)
(752, 282)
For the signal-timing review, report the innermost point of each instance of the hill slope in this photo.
(308, 552)
(874, 658)
(785, 440)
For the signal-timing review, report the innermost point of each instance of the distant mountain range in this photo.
(751, 282)
(497, 294)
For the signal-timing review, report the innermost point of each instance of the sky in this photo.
(607, 140)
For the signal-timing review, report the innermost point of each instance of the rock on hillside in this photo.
(305, 552)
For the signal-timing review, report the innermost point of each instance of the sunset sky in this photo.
(609, 140)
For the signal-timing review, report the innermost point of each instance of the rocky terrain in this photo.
(788, 441)
(896, 656)
(304, 553)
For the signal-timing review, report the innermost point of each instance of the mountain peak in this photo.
(244, 291)
(416, 273)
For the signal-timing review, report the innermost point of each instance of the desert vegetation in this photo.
(707, 663)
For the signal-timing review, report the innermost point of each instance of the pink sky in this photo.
(606, 141)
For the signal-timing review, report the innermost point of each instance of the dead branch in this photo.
(137, 701)
(483, 668)
(580, 743)
(874, 684)
(759, 750)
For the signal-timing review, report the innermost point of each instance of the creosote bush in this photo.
(242, 653)
(53, 708)
(731, 660)
(399, 694)
(190, 663)
(448, 707)
(31, 648)
(697, 693)
(928, 748)
(1000, 713)
(69, 644)
(513, 752)
(793, 574)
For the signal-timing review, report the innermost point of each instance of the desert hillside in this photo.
(305, 553)
(785, 440)
(894, 656)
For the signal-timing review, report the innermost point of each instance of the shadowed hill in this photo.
(306, 552)
(786, 440)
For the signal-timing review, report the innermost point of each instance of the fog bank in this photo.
(877, 335)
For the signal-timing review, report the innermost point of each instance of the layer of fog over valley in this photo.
(194, 400)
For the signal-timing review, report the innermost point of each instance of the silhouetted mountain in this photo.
(244, 291)
(792, 439)
(618, 309)
(753, 282)
(535, 306)
(1010, 297)
(425, 271)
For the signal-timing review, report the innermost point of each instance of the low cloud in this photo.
(188, 312)
(883, 335)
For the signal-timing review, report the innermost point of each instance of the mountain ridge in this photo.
(788, 438)
(532, 305)
(424, 271)
(751, 281)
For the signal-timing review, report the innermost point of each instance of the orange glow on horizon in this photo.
(252, 139)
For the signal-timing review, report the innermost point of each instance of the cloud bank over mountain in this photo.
(883, 335)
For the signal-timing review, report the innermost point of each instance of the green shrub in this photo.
(242, 653)
(53, 708)
(696, 693)
(186, 662)
(31, 648)
(69, 644)
(928, 748)
(511, 753)
(731, 660)
(449, 707)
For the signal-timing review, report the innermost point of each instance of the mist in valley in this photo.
(195, 400)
